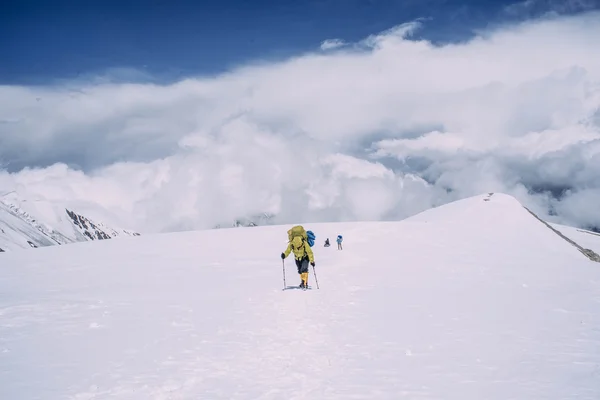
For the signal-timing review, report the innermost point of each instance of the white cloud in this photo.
(326, 136)
(549, 7)
(392, 36)
(330, 44)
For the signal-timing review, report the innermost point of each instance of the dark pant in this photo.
(302, 265)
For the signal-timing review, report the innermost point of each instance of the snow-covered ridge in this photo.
(40, 226)
(96, 231)
(45, 224)
(589, 253)
(570, 235)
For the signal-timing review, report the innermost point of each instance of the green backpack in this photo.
(296, 231)
(297, 235)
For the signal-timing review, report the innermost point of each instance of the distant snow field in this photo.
(475, 299)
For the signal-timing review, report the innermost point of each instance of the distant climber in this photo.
(339, 242)
(327, 242)
(303, 254)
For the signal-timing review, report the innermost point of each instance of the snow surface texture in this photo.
(35, 223)
(475, 299)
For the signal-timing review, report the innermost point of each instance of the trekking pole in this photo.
(283, 265)
(316, 280)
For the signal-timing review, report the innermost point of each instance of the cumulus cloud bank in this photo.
(379, 129)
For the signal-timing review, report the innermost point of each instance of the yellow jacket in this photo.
(300, 248)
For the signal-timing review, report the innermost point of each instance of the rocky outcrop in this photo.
(95, 231)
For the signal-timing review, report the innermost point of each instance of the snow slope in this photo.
(17, 232)
(585, 238)
(472, 300)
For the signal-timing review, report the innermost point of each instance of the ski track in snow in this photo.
(473, 301)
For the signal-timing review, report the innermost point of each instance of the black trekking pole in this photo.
(283, 265)
(316, 280)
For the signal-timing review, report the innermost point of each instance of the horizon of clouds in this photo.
(378, 129)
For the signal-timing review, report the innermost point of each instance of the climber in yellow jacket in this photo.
(303, 254)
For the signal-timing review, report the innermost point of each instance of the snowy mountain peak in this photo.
(30, 224)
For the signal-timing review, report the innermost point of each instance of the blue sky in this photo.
(47, 40)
